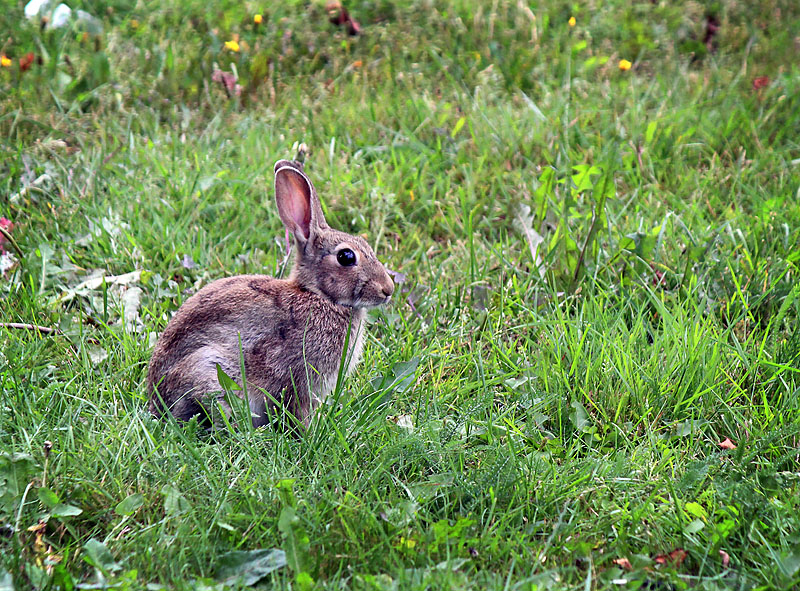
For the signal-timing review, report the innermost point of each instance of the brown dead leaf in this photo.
(623, 563)
(338, 15)
(712, 28)
(26, 61)
(726, 560)
(228, 80)
(674, 558)
(727, 444)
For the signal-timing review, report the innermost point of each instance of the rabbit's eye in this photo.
(346, 257)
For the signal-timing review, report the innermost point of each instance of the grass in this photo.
(517, 422)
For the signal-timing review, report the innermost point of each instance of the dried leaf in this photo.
(338, 15)
(26, 61)
(399, 278)
(727, 444)
(96, 281)
(405, 422)
(760, 82)
(96, 354)
(674, 558)
(623, 563)
(726, 559)
(228, 80)
(712, 28)
(131, 300)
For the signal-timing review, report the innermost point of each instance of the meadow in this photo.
(588, 376)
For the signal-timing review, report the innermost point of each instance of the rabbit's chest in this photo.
(327, 369)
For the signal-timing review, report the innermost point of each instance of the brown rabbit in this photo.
(290, 332)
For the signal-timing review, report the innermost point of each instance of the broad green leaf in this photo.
(62, 510)
(696, 510)
(695, 526)
(579, 416)
(304, 581)
(459, 124)
(790, 564)
(129, 505)
(650, 133)
(15, 473)
(174, 502)
(225, 381)
(582, 178)
(404, 373)
(296, 543)
(48, 498)
(285, 488)
(99, 556)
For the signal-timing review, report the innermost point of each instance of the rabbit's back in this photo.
(290, 339)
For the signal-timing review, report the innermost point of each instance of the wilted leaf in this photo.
(726, 559)
(760, 82)
(248, 568)
(727, 444)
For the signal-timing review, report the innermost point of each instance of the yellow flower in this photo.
(232, 45)
(5, 62)
(571, 22)
(624, 65)
(257, 19)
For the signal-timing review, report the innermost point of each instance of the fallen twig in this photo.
(25, 326)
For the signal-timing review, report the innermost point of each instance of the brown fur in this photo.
(290, 333)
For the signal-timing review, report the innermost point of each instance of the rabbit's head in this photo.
(330, 263)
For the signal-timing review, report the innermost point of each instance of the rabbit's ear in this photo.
(293, 163)
(298, 204)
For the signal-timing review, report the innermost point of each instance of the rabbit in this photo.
(290, 332)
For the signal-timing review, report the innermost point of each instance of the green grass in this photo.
(515, 423)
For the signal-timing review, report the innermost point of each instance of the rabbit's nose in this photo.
(388, 288)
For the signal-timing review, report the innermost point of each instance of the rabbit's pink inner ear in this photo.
(293, 195)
